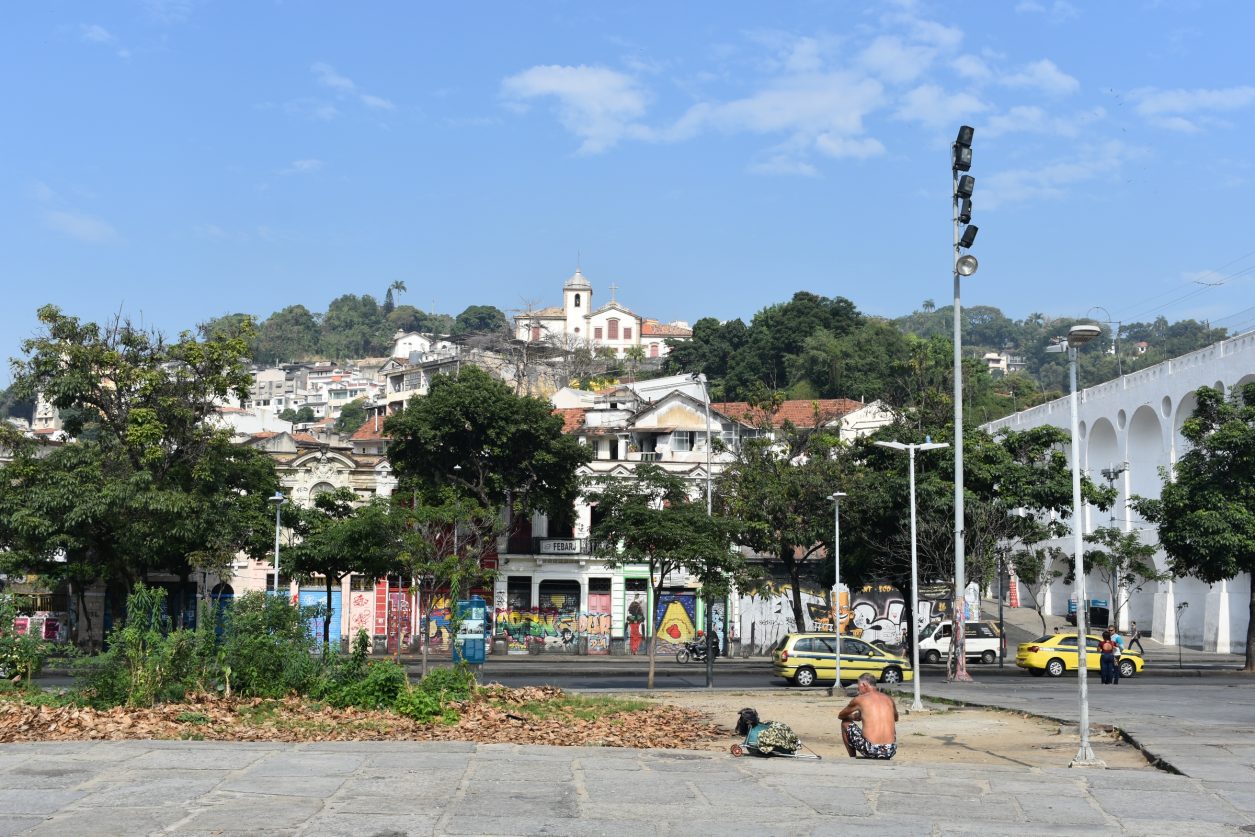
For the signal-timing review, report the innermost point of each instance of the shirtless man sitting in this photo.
(867, 722)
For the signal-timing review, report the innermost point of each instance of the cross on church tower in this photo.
(613, 288)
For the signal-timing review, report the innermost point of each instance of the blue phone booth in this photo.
(468, 645)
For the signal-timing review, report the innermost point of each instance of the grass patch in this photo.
(586, 708)
(262, 713)
(192, 718)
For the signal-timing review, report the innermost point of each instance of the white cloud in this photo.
(308, 166)
(94, 33)
(890, 58)
(971, 67)
(344, 86)
(170, 11)
(316, 109)
(1169, 108)
(596, 104)
(76, 225)
(377, 102)
(1051, 181)
(1045, 76)
(1030, 119)
(806, 106)
(1058, 11)
(328, 77)
(933, 107)
(856, 147)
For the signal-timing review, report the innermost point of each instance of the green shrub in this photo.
(378, 688)
(21, 655)
(446, 684)
(423, 707)
(266, 649)
(144, 662)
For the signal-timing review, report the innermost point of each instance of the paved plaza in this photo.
(361, 789)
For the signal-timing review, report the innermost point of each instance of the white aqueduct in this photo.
(1134, 422)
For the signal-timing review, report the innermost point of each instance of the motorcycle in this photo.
(695, 651)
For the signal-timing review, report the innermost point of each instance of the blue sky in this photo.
(182, 159)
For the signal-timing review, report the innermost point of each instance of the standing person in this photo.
(868, 722)
(1119, 641)
(1135, 638)
(1107, 661)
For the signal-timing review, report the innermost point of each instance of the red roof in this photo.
(265, 434)
(653, 328)
(370, 431)
(801, 413)
(305, 439)
(572, 418)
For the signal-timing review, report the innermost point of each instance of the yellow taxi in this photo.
(806, 658)
(1055, 654)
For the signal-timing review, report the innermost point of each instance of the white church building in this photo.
(577, 323)
(1131, 428)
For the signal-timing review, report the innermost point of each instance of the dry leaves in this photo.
(494, 716)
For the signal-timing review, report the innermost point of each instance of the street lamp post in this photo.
(710, 644)
(910, 449)
(1078, 336)
(836, 584)
(964, 265)
(278, 499)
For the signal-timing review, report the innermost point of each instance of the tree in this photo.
(1122, 562)
(479, 319)
(338, 537)
(288, 334)
(389, 303)
(777, 489)
(354, 327)
(1036, 568)
(149, 485)
(471, 437)
(1205, 513)
(352, 416)
(652, 518)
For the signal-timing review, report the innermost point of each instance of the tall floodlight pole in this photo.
(835, 497)
(910, 449)
(964, 265)
(1078, 336)
(278, 499)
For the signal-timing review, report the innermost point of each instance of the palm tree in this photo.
(388, 303)
(929, 306)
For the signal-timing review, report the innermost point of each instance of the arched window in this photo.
(577, 300)
(612, 327)
(653, 350)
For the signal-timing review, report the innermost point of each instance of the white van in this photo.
(981, 641)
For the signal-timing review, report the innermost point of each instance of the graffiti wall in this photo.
(875, 612)
(675, 620)
(767, 613)
(550, 629)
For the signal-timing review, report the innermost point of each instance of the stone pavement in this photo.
(392, 789)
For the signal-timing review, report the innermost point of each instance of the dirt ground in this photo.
(943, 734)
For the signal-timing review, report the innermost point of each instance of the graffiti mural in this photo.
(361, 611)
(551, 629)
(675, 618)
(767, 613)
(437, 619)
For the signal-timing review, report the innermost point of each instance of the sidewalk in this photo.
(312, 790)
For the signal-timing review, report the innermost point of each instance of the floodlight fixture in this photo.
(966, 184)
(962, 157)
(969, 236)
(965, 136)
(965, 211)
(1082, 333)
(966, 265)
